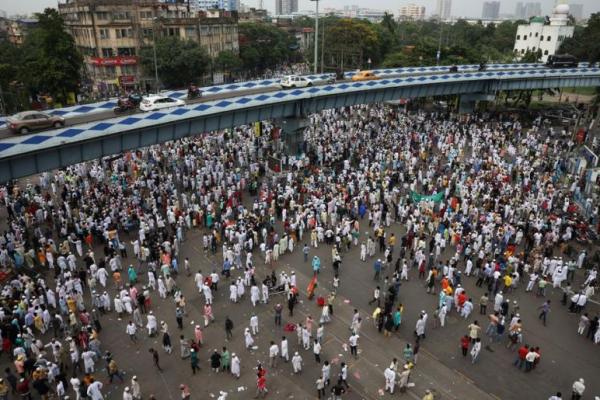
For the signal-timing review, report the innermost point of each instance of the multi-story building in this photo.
(15, 30)
(227, 5)
(528, 10)
(443, 9)
(543, 35)
(491, 10)
(412, 12)
(111, 33)
(286, 7)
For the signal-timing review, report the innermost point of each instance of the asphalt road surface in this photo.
(565, 355)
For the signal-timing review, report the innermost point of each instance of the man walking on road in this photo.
(155, 358)
(545, 309)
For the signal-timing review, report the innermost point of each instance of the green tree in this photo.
(51, 62)
(355, 42)
(585, 43)
(12, 98)
(264, 46)
(179, 62)
(228, 62)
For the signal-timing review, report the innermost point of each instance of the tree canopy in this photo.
(49, 61)
(264, 46)
(179, 62)
(585, 43)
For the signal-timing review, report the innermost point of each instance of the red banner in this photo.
(127, 79)
(112, 61)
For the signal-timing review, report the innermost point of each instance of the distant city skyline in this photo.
(460, 8)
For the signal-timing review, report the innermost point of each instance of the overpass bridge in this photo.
(27, 155)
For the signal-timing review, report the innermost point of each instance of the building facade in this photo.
(443, 9)
(227, 5)
(527, 10)
(412, 12)
(491, 10)
(111, 33)
(286, 7)
(541, 34)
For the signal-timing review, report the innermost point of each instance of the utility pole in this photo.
(316, 59)
(154, 52)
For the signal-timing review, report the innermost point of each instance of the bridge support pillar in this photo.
(292, 134)
(468, 102)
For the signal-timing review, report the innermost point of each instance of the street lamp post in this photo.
(154, 53)
(316, 37)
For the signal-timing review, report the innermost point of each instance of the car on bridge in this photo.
(364, 76)
(294, 81)
(27, 121)
(157, 102)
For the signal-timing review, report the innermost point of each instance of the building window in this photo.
(545, 52)
(190, 31)
(110, 72)
(533, 48)
(518, 37)
(104, 33)
(123, 33)
(146, 14)
(107, 52)
(522, 51)
(147, 32)
(128, 70)
(126, 51)
(536, 34)
(549, 38)
(121, 15)
(102, 16)
(171, 31)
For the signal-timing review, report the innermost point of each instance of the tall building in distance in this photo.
(286, 7)
(491, 10)
(576, 11)
(412, 12)
(528, 10)
(443, 9)
(539, 35)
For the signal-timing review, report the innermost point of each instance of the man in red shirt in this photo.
(261, 386)
(520, 361)
(464, 344)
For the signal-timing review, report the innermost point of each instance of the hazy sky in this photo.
(467, 8)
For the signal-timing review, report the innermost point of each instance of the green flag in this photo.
(416, 197)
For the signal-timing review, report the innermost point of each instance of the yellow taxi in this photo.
(364, 76)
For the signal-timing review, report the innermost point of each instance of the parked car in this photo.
(158, 102)
(293, 81)
(364, 76)
(27, 121)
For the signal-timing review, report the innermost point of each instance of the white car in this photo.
(157, 102)
(294, 81)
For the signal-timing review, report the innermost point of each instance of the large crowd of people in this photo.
(434, 196)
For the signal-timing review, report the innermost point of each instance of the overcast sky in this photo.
(463, 8)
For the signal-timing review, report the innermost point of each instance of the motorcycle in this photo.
(124, 104)
(454, 68)
(482, 67)
(194, 92)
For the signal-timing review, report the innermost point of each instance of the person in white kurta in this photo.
(94, 390)
(254, 324)
(297, 362)
(152, 324)
(285, 354)
(240, 288)
(162, 289)
(390, 379)
(118, 306)
(248, 340)
(265, 293)
(233, 292)
(88, 361)
(254, 295)
(235, 365)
